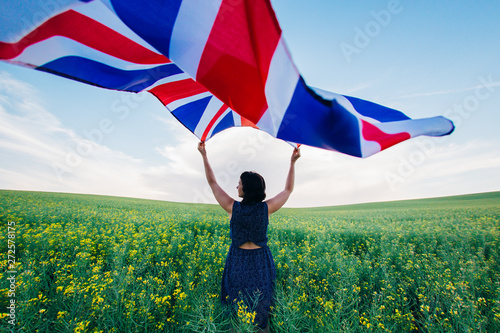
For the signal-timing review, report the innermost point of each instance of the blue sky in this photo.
(424, 58)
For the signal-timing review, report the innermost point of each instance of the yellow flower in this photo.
(81, 327)
(61, 314)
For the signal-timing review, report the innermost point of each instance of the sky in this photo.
(425, 58)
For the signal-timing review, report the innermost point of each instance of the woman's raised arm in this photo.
(279, 200)
(224, 200)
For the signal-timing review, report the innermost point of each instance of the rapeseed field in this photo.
(82, 263)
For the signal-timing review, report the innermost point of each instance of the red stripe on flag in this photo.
(221, 111)
(385, 140)
(173, 91)
(86, 31)
(236, 59)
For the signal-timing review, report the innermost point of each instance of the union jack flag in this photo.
(214, 64)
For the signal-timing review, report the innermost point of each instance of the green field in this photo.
(104, 264)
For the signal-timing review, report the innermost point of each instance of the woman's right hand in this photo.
(201, 148)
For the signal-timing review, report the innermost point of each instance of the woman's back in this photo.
(249, 224)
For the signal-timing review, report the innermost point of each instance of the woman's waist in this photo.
(248, 242)
(246, 250)
(249, 245)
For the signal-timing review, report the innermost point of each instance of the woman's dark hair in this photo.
(254, 187)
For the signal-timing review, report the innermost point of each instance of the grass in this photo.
(104, 264)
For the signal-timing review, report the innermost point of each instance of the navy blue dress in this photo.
(249, 275)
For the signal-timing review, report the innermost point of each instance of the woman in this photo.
(249, 272)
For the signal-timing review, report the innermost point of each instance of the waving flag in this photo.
(214, 64)
(88, 43)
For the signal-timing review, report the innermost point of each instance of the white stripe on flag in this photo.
(236, 119)
(183, 101)
(57, 47)
(367, 147)
(191, 30)
(415, 127)
(280, 86)
(210, 111)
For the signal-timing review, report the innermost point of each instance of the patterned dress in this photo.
(249, 275)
